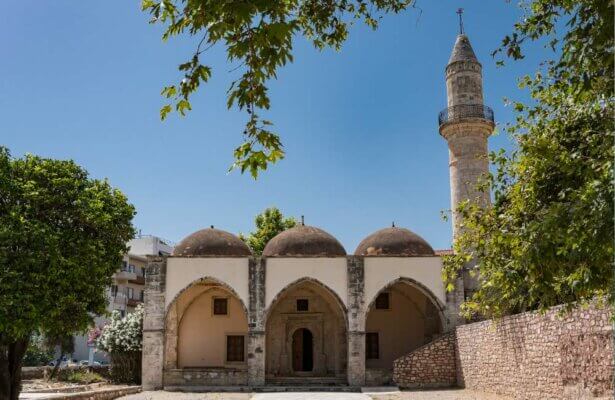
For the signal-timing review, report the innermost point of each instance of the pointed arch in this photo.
(415, 284)
(297, 283)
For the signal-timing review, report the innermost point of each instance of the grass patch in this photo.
(80, 376)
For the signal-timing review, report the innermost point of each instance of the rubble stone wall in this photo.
(429, 366)
(538, 356)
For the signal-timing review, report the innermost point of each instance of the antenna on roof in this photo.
(302, 221)
(460, 13)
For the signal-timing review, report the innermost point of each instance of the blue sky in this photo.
(81, 80)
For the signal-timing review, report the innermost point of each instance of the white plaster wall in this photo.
(380, 271)
(181, 272)
(281, 272)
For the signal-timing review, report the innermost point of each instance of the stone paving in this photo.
(446, 394)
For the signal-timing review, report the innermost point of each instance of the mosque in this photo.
(306, 311)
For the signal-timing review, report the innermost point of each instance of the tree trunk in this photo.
(11, 360)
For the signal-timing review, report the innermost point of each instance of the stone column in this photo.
(256, 328)
(356, 321)
(153, 323)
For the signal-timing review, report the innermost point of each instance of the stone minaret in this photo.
(466, 125)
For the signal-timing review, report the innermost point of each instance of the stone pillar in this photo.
(153, 323)
(256, 328)
(356, 321)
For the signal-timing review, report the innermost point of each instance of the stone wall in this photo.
(432, 365)
(534, 356)
(177, 378)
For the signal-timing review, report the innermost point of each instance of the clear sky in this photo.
(81, 80)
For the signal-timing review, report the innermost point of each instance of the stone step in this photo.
(321, 381)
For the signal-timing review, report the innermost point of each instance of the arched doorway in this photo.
(306, 333)
(303, 350)
(402, 317)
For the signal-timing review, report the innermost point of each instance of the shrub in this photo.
(122, 338)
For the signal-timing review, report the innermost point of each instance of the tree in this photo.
(122, 338)
(268, 224)
(548, 239)
(258, 35)
(62, 236)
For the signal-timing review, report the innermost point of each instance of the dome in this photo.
(211, 242)
(394, 242)
(304, 240)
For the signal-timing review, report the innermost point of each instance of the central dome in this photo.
(394, 242)
(304, 240)
(211, 242)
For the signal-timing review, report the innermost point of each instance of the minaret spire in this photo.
(460, 13)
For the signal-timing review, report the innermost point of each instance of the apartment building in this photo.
(126, 291)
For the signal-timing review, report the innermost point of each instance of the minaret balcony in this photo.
(465, 111)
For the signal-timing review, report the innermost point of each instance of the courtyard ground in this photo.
(445, 394)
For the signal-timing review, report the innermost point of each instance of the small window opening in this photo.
(383, 301)
(303, 305)
(220, 306)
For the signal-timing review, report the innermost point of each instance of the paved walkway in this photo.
(448, 394)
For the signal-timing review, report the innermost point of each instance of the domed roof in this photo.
(462, 51)
(304, 240)
(211, 242)
(394, 242)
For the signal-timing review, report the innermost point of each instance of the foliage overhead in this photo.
(258, 36)
(62, 236)
(268, 224)
(548, 239)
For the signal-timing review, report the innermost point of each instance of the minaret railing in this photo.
(464, 111)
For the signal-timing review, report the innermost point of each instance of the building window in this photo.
(220, 306)
(142, 295)
(383, 301)
(302, 304)
(114, 290)
(131, 268)
(124, 266)
(235, 348)
(372, 348)
(130, 292)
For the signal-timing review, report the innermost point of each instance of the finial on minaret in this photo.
(460, 13)
(302, 221)
(393, 224)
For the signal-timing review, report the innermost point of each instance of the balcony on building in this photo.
(126, 273)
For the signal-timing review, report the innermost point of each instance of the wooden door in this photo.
(298, 350)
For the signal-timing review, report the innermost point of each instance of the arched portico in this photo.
(402, 316)
(306, 332)
(206, 326)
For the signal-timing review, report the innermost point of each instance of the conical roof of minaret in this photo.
(462, 51)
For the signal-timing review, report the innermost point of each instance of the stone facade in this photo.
(534, 356)
(197, 377)
(430, 366)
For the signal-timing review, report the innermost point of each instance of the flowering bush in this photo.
(122, 334)
(122, 339)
